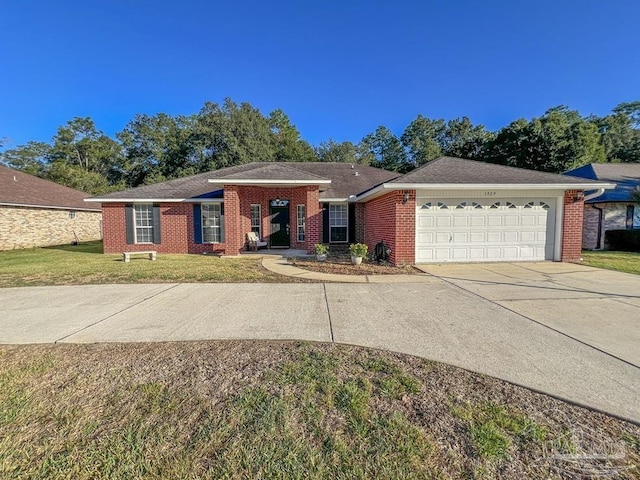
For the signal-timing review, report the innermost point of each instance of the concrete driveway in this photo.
(565, 330)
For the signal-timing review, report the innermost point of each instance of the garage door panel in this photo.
(529, 237)
(510, 237)
(480, 230)
(511, 220)
(477, 237)
(425, 237)
(460, 254)
(460, 237)
(494, 237)
(460, 221)
(494, 221)
(478, 220)
(443, 221)
(425, 221)
(442, 237)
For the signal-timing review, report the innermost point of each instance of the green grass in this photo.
(272, 410)
(627, 262)
(86, 264)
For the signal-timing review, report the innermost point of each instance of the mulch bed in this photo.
(343, 266)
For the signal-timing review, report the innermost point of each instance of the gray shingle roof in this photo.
(19, 188)
(344, 181)
(626, 176)
(451, 170)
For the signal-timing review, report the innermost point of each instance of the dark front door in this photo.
(279, 214)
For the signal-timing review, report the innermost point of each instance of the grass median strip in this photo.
(283, 410)
(86, 264)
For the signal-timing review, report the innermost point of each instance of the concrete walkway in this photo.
(480, 320)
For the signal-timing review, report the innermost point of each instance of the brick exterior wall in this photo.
(572, 227)
(177, 222)
(614, 218)
(360, 223)
(388, 219)
(24, 227)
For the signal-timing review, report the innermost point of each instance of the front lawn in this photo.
(286, 410)
(86, 264)
(628, 262)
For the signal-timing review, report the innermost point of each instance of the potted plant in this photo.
(358, 251)
(321, 252)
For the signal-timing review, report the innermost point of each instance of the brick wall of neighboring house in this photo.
(23, 227)
(614, 218)
(177, 222)
(390, 220)
(572, 227)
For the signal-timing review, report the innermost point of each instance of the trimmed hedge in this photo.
(623, 240)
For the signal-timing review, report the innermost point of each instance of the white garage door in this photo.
(481, 230)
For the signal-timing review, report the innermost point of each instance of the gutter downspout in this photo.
(593, 195)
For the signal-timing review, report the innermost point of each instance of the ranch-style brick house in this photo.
(36, 213)
(449, 210)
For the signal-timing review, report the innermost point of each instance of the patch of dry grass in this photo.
(285, 410)
(86, 264)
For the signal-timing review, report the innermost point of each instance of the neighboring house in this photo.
(449, 210)
(614, 209)
(36, 212)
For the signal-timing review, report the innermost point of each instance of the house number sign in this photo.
(279, 203)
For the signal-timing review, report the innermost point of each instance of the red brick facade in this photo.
(572, 226)
(177, 222)
(388, 218)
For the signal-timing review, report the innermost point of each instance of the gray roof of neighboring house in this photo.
(451, 170)
(343, 177)
(22, 189)
(626, 176)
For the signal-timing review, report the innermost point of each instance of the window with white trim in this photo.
(302, 220)
(143, 221)
(211, 222)
(338, 222)
(256, 220)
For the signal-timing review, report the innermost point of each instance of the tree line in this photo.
(155, 148)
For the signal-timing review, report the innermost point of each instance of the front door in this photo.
(279, 215)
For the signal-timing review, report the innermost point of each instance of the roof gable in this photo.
(19, 188)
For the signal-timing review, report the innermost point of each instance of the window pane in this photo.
(338, 234)
(256, 219)
(338, 221)
(301, 222)
(144, 223)
(211, 222)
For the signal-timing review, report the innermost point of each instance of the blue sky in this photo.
(337, 68)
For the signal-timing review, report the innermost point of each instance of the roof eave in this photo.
(50, 207)
(264, 182)
(379, 190)
(154, 200)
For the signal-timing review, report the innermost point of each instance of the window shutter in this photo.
(222, 223)
(156, 224)
(325, 223)
(197, 223)
(128, 220)
(352, 222)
